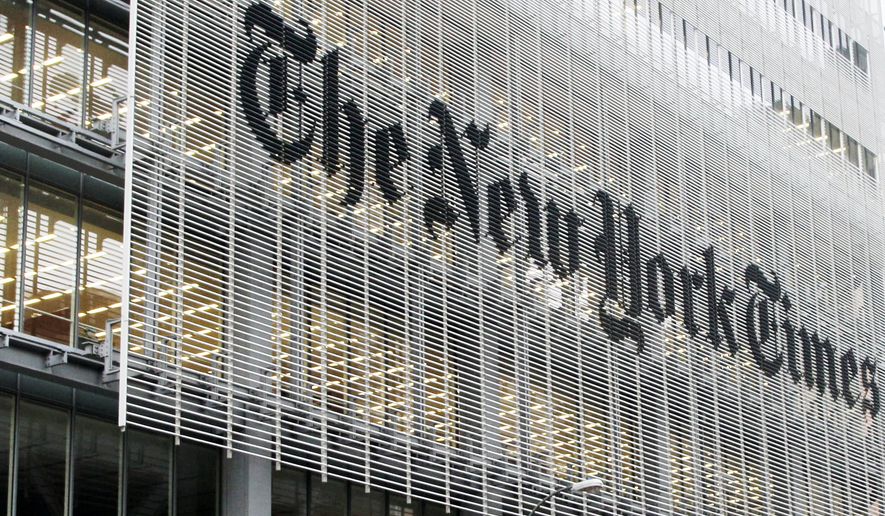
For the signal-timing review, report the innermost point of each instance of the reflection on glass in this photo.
(399, 507)
(58, 62)
(196, 477)
(366, 504)
(147, 473)
(10, 224)
(42, 460)
(101, 242)
(96, 467)
(50, 261)
(106, 73)
(7, 404)
(289, 496)
(14, 46)
(327, 498)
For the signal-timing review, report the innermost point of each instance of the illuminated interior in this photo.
(53, 270)
(77, 67)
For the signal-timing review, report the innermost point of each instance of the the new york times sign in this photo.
(632, 285)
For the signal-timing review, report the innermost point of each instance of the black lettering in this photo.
(634, 261)
(657, 270)
(690, 281)
(533, 220)
(760, 314)
(451, 146)
(792, 343)
(871, 389)
(303, 49)
(386, 139)
(849, 373)
(437, 210)
(605, 246)
(356, 133)
(718, 308)
(820, 363)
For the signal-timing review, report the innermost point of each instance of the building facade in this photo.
(408, 257)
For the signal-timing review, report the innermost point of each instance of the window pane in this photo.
(11, 189)
(869, 163)
(196, 480)
(106, 73)
(399, 507)
(14, 45)
(7, 405)
(289, 493)
(42, 460)
(327, 498)
(438, 510)
(50, 256)
(366, 504)
(96, 467)
(861, 57)
(853, 152)
(58, 62)
(834, 137)
(816, 125)
(147, 473)
(101, 273)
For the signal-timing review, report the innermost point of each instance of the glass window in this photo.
(834, 137)
(289, 497)
(399, 507)
(746, 76)
(42, 449)
(96, 467)
(58, 62)
(431, 509)
(50, 261)
(861, 57)
(366, 504)
(14, 49)
(655, 13)
(690, 35)
(666, 19)
(757, 85)
(101, 242)
(816, 127)
(734, 67)
(7, 406)
(147, 474)
(777, 98)
(712, 57)
(853, 151)
(869, 163)
(106, 73)
(327, 498)
(844, 47)
(196, 480)
(796, 111)
(11, 189)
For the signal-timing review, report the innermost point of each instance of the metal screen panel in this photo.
(470, 250)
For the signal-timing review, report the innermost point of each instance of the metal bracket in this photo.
(55, 359)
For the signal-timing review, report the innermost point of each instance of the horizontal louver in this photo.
(465, 251)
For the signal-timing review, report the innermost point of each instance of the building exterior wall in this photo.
(468, 251)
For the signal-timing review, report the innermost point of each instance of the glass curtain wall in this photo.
(59, 60)
(61, 260)
(296, 493)
(64, 462)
